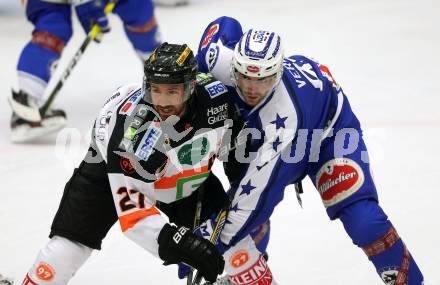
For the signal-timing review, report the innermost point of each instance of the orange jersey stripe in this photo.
(170, 182)
(128, 221)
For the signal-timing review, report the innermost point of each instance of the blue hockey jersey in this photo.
(304, 128)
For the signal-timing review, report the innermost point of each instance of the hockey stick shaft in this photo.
(219, 225)
(196, 223)
(94, 32)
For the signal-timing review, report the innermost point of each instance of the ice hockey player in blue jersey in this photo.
(52, 30)
(298, 123)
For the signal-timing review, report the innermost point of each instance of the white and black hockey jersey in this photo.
(129, 136)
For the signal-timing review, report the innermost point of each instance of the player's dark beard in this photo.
(169, 110)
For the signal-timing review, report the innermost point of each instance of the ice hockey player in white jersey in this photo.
(152, 149)
(52, 21)
(299, 124)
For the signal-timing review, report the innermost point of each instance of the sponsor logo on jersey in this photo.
(217, 114)
(128, 107)
(215, 89)
(253, 69)
(257, 274)
(338, 179)
(112, 97)
(194, 152)
(212, 56)
(130, 133)
(102, 123)
(326, 72)
(186, 185)
(45, 272)
(126, 165)
(148, 141)
(239, 258)
(209, 35)
(142, 111)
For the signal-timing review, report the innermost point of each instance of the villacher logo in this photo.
(338, 179)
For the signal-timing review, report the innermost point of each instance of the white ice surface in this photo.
(384, 53)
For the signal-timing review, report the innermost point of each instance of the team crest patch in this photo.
(389, 275)
(338, 179)
(212, 56)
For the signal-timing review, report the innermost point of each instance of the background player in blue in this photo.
(53, 29)
(302, 125)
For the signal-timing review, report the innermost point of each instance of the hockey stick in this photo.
(219, 225)
(196, 223)
(94, 32)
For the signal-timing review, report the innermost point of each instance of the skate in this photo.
(24, 128)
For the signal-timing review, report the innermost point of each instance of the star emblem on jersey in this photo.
(235, 208)
(247, 188)
(276, 143)
(279, 122)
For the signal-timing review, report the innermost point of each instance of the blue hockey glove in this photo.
(91, 12)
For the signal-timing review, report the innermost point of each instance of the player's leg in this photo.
(57, 262)
(261, 236)
(343, 179)
(140, 25)
(85, 215)
(39, 57)
(36, 63)
(369, 228)
(245, 264)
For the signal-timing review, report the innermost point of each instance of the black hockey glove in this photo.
(181, 245)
